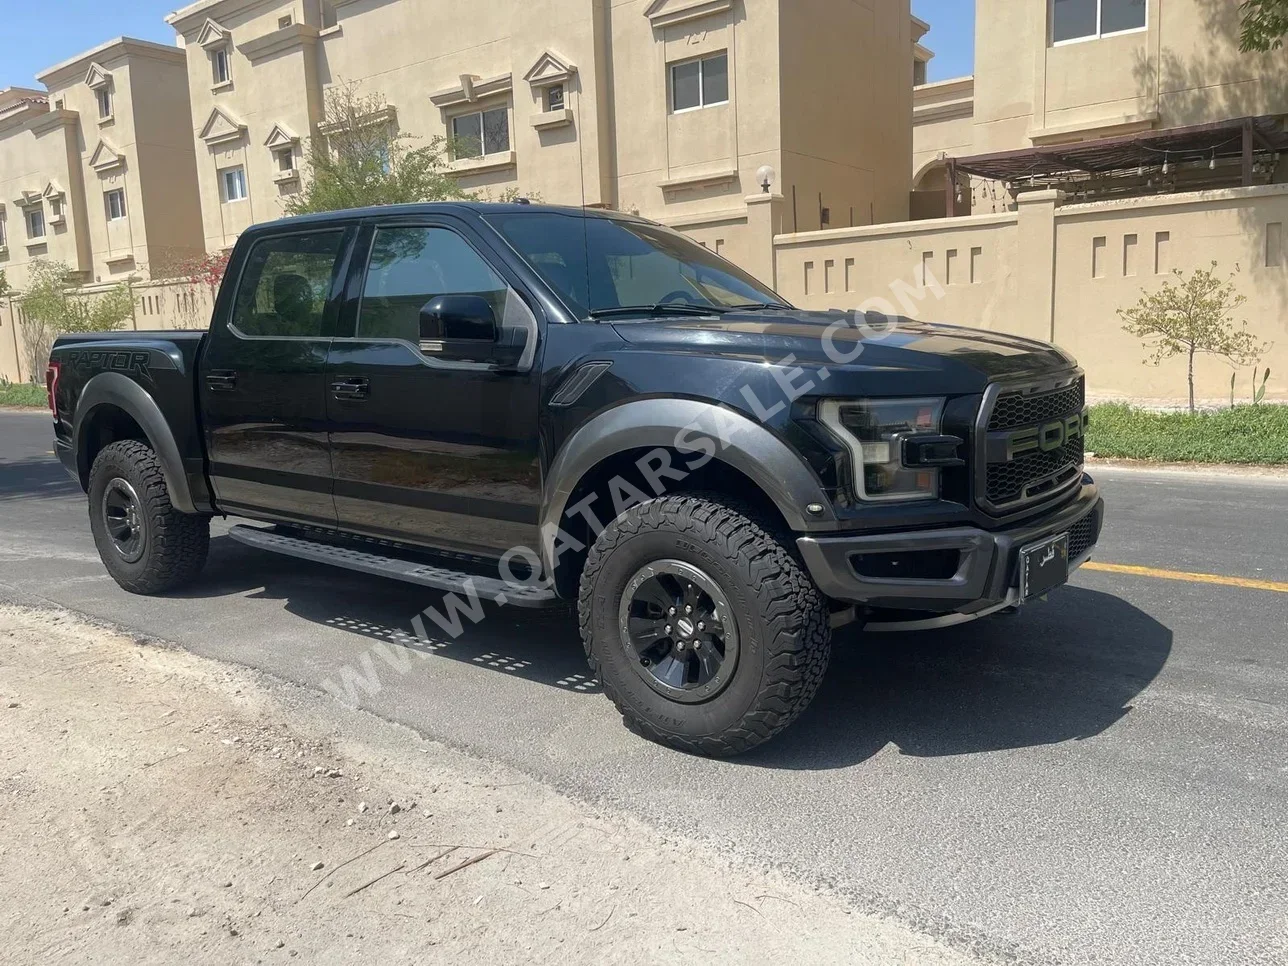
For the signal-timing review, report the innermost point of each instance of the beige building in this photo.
(40, 186)
(1100, 145)
(666, 107)
(1051, 74)
(96, 170)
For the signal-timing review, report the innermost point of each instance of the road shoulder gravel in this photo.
(158, 805)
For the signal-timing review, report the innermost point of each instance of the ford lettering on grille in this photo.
(1047, 437)
(1032, 447)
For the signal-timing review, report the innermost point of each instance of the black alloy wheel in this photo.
(122, 518)
(147, 545)
(676, 627)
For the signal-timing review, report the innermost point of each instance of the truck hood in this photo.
(885, 344)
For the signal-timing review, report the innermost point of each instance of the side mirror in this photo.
(458, 318)
(464, 327)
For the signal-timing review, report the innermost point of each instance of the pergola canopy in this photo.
(1115, 160)
(1200, 142)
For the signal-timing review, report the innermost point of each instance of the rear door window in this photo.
(286, 284)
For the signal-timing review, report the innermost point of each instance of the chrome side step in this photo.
(409, 571)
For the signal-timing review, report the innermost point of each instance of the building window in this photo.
(283, 22)
(219, 66)
(478, 135)
(285, 159)
(104, 103)
(4, 239)
(55, 209)
(555, 97)
(700, 83)
(232, 184)
(115, 200)
(1088, 19)
(36, 222)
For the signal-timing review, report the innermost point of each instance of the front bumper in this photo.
(985, 579)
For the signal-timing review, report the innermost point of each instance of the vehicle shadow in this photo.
(1061, 670)
(1065, 669)
(34, 477)
(539, 646)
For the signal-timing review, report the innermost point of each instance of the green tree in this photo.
(1190, 316)
(1263, 24)
(51, 306)
(358, 159)
(4, 284)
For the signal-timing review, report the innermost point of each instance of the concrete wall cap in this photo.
(1045, 196)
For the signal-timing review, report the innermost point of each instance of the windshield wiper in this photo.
(661, 308)
(758, 305)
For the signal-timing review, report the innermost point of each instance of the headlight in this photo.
(873, 430)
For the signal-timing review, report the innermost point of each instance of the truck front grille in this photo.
(1015, 472)
(1009, 482)
(1014, 409)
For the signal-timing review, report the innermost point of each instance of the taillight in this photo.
(51, 386)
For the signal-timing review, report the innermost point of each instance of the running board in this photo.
(409, 571)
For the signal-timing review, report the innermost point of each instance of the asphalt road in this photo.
(1100, 779)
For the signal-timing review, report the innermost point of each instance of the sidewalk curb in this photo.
(1275, 475)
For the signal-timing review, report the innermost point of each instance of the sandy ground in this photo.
(158, 807)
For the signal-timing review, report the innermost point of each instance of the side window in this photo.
(410, 266)
(285, 284)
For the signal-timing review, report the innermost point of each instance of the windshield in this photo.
(604, 266)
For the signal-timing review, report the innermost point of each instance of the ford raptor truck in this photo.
(542, 407)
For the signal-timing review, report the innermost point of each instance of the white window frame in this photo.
(1099, 34)
(550, 94)
(284, 153)
(36, 211)
(107, 204)
(103, 96)
(4, 236)
(702, 82)
(483, 151)
(217, 56)
(224, 196)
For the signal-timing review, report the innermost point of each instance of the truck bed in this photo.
(154, 369)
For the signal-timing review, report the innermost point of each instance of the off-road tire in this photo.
(785, 637)
(175, 544)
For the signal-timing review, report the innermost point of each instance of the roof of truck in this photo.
(444, 207)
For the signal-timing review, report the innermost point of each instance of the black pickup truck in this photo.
(532, 405)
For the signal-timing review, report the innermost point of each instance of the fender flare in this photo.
(745, 445)
(115, 389)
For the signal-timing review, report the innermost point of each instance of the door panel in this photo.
(437, 451)
(440, 456)
(263, 381)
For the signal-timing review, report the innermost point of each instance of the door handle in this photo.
(221, 380)
(351, 387)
